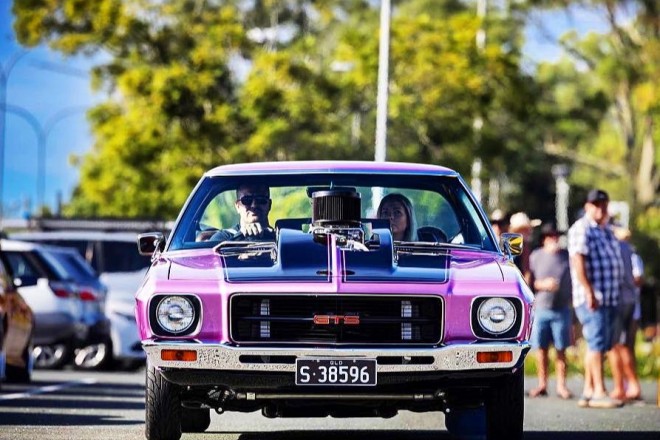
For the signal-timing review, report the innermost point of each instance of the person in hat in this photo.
(551, 283)
(499, 223)
(520, 223)
(597, 274)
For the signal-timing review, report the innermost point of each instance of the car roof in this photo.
(329, 167)
(11, 245)
(76, 235)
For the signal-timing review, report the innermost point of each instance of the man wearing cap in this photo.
(551, 283)
(596, 273)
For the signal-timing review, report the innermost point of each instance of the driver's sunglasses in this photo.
(260, 200)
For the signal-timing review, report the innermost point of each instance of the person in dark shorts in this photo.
(551, 282)
(597, 273)
(622, 355)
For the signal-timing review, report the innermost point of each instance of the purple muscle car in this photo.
(371, 288)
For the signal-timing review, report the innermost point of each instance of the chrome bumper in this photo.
(457, 357)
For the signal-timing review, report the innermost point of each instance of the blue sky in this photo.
(50, 88)
(53, 88)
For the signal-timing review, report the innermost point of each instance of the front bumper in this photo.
(221, 357)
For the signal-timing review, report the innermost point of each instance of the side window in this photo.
(432, 209)
(23, 268)
(220, 212)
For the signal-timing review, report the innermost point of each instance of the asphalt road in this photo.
(76, 405)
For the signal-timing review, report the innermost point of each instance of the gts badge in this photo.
(336, 319)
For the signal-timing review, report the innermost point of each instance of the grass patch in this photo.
(647, 355)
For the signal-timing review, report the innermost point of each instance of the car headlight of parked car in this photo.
(496, 317)
(174, 315)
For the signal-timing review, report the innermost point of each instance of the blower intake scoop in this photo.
(338, 208)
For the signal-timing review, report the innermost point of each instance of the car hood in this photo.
(297, 257)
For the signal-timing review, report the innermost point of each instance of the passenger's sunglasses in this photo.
(260, 200)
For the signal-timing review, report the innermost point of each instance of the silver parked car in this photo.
(46, 287)
(96, 351)
(121, 268)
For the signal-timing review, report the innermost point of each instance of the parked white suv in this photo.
(115, 257)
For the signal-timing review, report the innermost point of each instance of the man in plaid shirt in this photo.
(597, 274)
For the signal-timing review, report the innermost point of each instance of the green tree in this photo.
(602, 104)
(176, 107)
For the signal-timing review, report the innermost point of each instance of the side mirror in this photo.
(150, 242)
(512, 243)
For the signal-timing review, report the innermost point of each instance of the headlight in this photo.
(496, 315)
(175, 314)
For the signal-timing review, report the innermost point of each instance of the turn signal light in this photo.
(491, 357)
(179, 355)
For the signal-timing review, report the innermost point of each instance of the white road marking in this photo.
(48, 389)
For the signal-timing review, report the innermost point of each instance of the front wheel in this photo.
(163, 407)
(505, 408)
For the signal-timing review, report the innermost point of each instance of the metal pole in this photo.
(383, 80)
(561, 172)
(43, 139)
(4, 77)
(383, 92)
(478, 123)
(42, 133)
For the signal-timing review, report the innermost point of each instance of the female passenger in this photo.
(399, 210)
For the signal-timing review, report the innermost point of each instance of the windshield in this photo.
(419, 208)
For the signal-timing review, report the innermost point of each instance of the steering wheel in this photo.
(431, 234)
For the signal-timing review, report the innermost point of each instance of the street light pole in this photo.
(383, 80)
(5, 71)
(561, 172)
(42, 132)
(383, 93)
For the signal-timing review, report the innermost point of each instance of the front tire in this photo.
(505, 408)
(195, 420)
(163, 407)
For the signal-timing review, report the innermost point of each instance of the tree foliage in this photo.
(192, 84)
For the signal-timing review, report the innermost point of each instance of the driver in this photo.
(253, 205)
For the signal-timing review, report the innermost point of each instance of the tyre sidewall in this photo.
(163, 407)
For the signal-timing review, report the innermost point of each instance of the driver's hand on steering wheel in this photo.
(252, 230)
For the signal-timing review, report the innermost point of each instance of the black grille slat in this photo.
(289, 319)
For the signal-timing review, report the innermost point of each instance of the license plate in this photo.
(336, 372)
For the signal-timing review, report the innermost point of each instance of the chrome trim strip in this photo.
(457, 357)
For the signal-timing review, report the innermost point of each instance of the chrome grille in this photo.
(290, 319)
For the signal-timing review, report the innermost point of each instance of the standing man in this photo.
(551, 282)
(597, 273)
